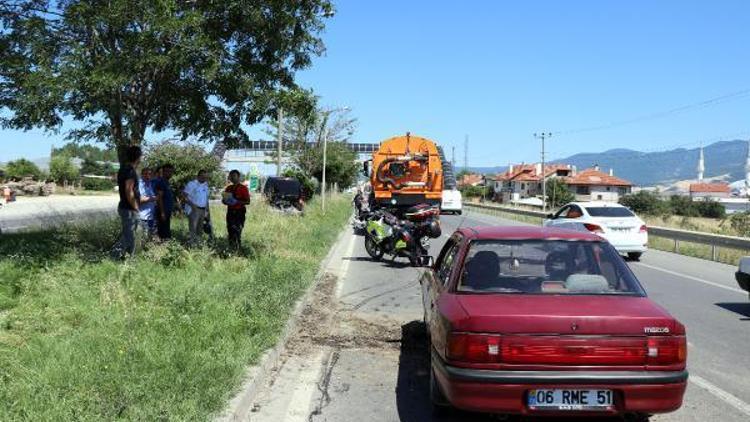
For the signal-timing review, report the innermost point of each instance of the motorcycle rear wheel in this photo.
(373, 249)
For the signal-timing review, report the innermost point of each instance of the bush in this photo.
(710, 209)
(187, 158)
(683, 206)
(309, 185)
(90, 183)
(740, 223)
(21, 168)
(474, 191)
(61, 169)
(645, 202)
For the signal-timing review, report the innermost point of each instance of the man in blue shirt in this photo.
(148, 202)
(164, 202)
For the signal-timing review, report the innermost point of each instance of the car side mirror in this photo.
(550, 216)
(427, 261)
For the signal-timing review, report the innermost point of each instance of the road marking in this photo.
(689, 277)
(307, 385)
(724, 396)
(344, 270)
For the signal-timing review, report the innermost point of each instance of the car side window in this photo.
(446, 265)
(574, 212)
(563, 213)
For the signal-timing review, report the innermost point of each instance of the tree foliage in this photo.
(201, 68)
(187, 158)
(341, 165)
(21, 168)
(86, 152)
(650, 203)
(62, 169)
(558, 193)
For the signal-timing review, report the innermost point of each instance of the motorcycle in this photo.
(409, 237)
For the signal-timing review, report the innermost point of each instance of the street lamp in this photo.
(325, 148)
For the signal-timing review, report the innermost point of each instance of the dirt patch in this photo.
(323, 323)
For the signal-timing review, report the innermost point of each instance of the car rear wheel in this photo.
(634, 256)
(373, 249)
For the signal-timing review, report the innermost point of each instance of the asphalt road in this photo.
(367, 360)
(36, 213)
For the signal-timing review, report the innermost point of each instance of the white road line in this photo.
(307, 385)
(344, 270)
(724, 396)
(689, 277)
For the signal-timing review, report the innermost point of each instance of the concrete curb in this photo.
(257, 375)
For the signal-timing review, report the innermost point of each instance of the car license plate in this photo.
(560, 399)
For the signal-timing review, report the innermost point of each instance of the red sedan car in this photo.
(543, 321)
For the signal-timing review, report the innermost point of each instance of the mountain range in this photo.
(723, 160)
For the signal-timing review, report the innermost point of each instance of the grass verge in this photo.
(164, 336)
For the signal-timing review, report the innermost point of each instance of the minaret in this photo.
(701, 166)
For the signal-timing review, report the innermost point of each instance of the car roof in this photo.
(526, 233)
(598, 204)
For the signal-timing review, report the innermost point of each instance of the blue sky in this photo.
(499, 71)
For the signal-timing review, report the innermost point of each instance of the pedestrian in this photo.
(236, 197)
(148, 202)
(195, 196)
(164, 202)
(128, 208)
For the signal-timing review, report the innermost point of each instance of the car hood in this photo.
(562, 314)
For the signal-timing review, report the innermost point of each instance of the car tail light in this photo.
(667, 350)
(474, 348)
(574, 351)
(643, 229)
(593, 228)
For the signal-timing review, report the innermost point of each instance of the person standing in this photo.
(236, 198)
(128, 208)
(195, 196)
(148, 202)
(164, 202)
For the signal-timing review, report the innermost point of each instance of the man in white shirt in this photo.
(195, 196)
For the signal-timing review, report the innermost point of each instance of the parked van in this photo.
(451, 202)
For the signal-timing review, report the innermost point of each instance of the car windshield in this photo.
(546, 267)
(609, 212)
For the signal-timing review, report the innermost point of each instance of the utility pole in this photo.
(543, 136)
(466, 153)
(323, 185)
(279, 139)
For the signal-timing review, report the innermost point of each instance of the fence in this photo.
(712, 241)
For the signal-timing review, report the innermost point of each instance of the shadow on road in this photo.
(740, 308)
(413, 386)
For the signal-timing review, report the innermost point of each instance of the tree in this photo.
(62, 170)
(303, 133)
(558, 193)
(645, 202)
(21, 168)
(205, 69)
(86, 152)
(187, 158)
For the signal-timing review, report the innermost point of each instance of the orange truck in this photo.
(407, 170)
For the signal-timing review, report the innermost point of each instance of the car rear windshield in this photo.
(558, 267)
(609, 212)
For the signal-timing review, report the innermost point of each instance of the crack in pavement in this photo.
(323, 385)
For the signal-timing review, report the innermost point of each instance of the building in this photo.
(715, 190)
(595, 185)
(471, 180)
(523, 181)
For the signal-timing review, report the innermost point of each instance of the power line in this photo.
(745, 93)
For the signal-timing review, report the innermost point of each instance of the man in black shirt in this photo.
(130, 197)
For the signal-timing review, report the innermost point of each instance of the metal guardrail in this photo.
(676, 235)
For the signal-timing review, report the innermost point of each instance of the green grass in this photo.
(164, 336)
